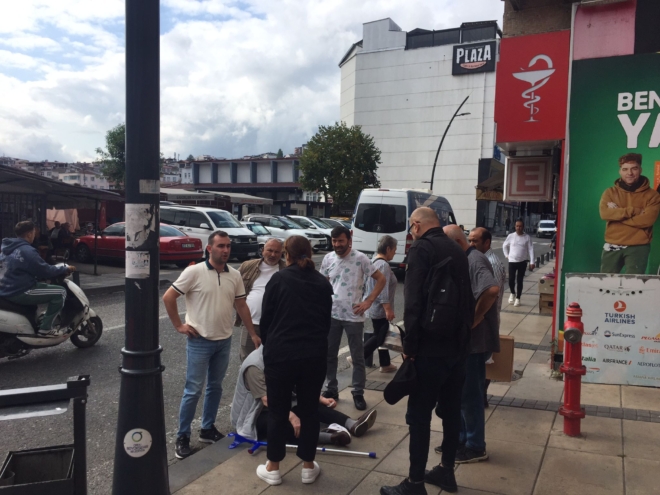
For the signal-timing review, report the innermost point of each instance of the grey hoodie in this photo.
(23, 267)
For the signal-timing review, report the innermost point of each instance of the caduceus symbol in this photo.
(537, 78)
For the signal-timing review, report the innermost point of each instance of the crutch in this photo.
(372, 455)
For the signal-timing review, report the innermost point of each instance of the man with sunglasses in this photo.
(212, 290)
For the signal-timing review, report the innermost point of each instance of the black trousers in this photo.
(516, 276)
(307, 376)
(373, 341)
(327, 416)
(440, 387)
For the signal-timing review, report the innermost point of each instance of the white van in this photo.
(200, 222)
(386, 211)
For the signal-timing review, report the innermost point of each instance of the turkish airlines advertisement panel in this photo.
(531, 87)
(613, 205)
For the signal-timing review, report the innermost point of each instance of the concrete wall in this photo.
(404, 99)
(536, 16)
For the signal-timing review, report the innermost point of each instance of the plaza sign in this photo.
(474, 58)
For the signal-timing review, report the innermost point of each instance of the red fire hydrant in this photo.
(573, 370)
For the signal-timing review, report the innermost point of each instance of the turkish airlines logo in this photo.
(620, 306)
(537, 78)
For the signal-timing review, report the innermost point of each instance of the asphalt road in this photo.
(55, 365)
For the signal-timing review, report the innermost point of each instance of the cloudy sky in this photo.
(237, 77)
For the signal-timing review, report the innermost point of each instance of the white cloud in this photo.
(236, 77)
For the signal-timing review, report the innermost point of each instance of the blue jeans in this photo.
(473, 424)
(210, 359)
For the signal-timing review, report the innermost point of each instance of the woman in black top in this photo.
(295, 321)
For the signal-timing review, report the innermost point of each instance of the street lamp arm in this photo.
(443, 139)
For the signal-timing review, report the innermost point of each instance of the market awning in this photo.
(491, 189)
(57, 194)
(173, 194)
(243, 199)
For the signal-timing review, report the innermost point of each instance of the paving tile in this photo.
(382, 439)
(346, 405)
(372, 484)
(511, 469)
(536, 384)
(498, 388)
(643, 413)
(579, 473)
(640, 440)
(377, 376)
(640, 397)
(520, 425)
(598, 436)
(521, 357)
(531, 329)
(509, 321)
(239, 472)
(642, 476)
(335, 479)
(541, 357)
(600, 395)
(397, 462)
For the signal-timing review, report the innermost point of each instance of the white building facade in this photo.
(403, 89)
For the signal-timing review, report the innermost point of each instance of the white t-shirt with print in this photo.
(348, 276)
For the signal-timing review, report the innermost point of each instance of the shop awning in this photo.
(491, 189)
(243, 199)
(172, 193)
(58, 194)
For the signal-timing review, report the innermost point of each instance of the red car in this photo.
(175, 246)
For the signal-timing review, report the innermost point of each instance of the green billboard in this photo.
(611, 219)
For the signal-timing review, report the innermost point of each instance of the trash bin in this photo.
(44, 471)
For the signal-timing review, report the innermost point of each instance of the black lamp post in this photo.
(141, 450)
(456, 114)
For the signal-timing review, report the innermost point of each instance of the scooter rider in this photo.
(23, 269)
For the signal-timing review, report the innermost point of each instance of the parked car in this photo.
(175, 246)
(199, 222)
(546, 228)
(262, 233)
(333, 222)
(386, 211)
(314, 224)
(281, 226)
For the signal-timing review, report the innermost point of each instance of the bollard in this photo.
(538, 261)
(573, 370)
(547, 257)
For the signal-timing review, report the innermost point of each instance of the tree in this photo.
(190, 158)
(113, 159)
(340, 161)
(280, 154)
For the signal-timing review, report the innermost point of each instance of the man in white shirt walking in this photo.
(347, 270)
(519, 250)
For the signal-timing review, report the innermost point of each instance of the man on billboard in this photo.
(630, 209)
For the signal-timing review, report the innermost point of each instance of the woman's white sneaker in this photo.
(270, 477)
(511, 298)
(310, 475)
(517, 303)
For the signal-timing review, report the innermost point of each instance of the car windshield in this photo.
(320, 224)
(289, 223)
(258, 229)
(547, 225)
(167, 231)
(222, 219)
(305, 222)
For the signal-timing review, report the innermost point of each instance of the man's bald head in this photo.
(423, 219)
(455, 233)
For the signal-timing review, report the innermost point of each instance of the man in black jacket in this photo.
(439, 359)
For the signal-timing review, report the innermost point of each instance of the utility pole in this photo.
(140, 451)
(443, 138)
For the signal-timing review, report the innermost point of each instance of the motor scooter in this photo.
(19, 324)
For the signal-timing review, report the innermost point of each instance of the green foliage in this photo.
(280, 154)
(113, 159)
(340, 161)
(190, 158)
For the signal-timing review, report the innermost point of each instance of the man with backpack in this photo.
(438, 314)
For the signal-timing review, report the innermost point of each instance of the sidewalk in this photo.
(112, 278)
(619, 452)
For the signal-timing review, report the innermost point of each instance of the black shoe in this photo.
(340, 438)
(360, 403)
(363, 423)
(330, 395)
(461, 447)
(404, 488)
(442, 477)
(210, 435)
(182, 448)
(469, 456)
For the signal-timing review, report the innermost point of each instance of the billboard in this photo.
(474, 58)
(612, 203)
(532, 87)
(621, 342)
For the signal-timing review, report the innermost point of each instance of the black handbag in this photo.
(404, 382)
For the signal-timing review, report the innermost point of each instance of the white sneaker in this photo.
(271, 477)
(310, 475)
(517, 303)
(511, 298)
(350, 360)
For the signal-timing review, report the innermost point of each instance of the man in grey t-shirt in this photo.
(485, 341)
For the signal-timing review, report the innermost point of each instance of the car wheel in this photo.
(88, 334)
(260, 251)
(242, 258)
(316, 250)
(83, 254)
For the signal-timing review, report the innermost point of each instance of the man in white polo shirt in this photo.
(211, 289)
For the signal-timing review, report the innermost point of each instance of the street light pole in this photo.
(443, 138)
(141, 451)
